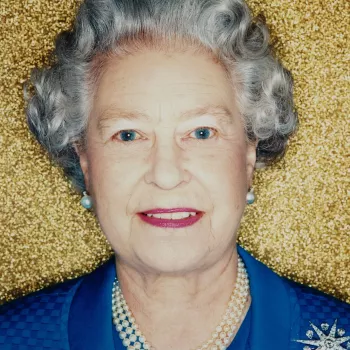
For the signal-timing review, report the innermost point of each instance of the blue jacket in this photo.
(76, 315)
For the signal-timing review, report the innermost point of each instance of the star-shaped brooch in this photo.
(326, 342)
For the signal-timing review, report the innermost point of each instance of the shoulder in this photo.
(315, 313)
(38, 320)
(316, 304)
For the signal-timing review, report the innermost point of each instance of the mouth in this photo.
(174, 217)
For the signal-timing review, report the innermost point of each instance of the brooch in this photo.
(332, 341)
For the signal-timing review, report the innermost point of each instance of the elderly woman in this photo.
(159, 112)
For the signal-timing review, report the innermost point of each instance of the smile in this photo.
(173, 216)
(170, 218)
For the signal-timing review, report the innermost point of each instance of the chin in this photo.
(170, 257)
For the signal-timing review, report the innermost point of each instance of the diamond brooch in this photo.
(330, 341)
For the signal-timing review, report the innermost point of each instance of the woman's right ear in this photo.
(83, 163)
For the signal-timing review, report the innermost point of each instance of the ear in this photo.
(83, 163)
(251, 159)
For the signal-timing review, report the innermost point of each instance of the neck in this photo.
(184, 306)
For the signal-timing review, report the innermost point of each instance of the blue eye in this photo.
(204, 133)
(127, 135)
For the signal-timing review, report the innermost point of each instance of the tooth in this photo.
(149, 215)
(176, 216)
(193, 213)
(163, 216)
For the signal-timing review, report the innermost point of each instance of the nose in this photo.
(166, 167)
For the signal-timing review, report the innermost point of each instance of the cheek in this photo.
(111, 167)
(229, 196)
(224, 177)
(109, 181)
(224, 167)
(112, 189)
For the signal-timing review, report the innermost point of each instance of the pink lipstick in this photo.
(190, 216)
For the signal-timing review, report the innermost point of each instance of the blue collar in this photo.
(271, 317)
(89, 325)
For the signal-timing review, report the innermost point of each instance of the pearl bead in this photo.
(250, 197)
(141, 339)
(126, 342)
(122, 335)
(86, 202)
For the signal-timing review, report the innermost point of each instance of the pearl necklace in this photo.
(222, 336)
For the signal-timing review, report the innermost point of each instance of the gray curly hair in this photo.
(59, 105)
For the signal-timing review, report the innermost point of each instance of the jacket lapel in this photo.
(270, 326)
(89, 325)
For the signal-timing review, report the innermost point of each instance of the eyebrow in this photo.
(113, 113)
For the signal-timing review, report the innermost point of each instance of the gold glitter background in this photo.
(299, 224)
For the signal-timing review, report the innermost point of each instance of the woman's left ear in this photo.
(251, 159)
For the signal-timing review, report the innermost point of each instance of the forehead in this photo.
(157, 83)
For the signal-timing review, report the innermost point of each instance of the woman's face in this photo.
(165, 133)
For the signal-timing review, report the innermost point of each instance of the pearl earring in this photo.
(86, 201)
(250, 196)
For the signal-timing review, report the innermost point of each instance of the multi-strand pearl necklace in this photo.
(222, 336)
